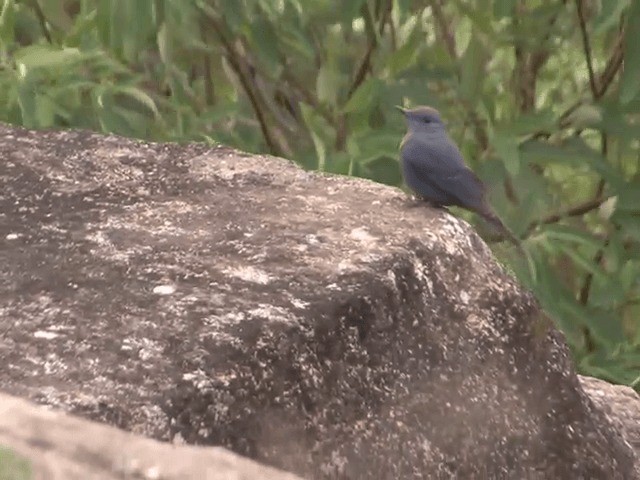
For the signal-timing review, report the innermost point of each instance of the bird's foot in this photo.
(438, 206)
(421, 202)
(415, 202)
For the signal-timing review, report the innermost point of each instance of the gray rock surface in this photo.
(621, 405)
(59, 446)
(316, 323)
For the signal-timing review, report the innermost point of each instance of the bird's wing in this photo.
(439, 165)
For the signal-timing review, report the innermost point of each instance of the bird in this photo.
(434, 169)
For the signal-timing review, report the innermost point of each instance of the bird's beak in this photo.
(402, 109)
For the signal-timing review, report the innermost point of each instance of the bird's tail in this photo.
(499, 225)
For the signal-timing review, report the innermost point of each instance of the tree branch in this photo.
(365, 63)
(447, 35)
(209, 86)
(586, 287)
(448, 39)
(604, 80)
(527, 68)
(528, 64)
(574, 211)
(364, 66)
(42, 20)
(587, 49)
(306, 95)
(583, 296)
(237, 63)
(613, 65)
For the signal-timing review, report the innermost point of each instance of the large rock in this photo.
(319, 324)
(621, 405)
(57, 446)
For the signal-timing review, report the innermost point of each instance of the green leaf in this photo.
(293, 40)
(139, 95)
(110, 117)
(328, 83)
(41, 56)
(503, 8)
(404, 57)
(585, 262)
(45, 111)
(384, 169)
(103, 21)
(473, 63)
(405, 6)
(598, 365)
(607, 292)
(628, 219)
(349, 10)
(557, 298)
(56, 15)
(375, 144)
(614, 121)
(234, 15)
(506, 146)
(312, 121)
(630, 274)
(7, 22)
(630, 79)
(297, 6)
(541, 120)
(604, 326)
(609, 16)
(269, 9)
(629, 197)
(574, 153)
(14, 467)
(572, 236)
(164, 41)
(264, 41)
(321, 150)
(338, 162)
(586, 115)
(364, 96)
(27, 102)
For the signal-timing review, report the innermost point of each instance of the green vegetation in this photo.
(543, 96)
(13, 467)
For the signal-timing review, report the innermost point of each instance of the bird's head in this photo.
(422, 119)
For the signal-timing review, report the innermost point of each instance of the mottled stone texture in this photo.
(319, 324)
(621, 405)
(59, 446)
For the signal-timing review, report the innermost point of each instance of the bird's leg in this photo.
(415, 201)
(437, 206)
(419, 201)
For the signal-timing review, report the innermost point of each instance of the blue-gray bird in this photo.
(433, 167)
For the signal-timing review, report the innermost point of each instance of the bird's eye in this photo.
(426, 120)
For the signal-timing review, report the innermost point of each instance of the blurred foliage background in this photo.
(543, 97)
